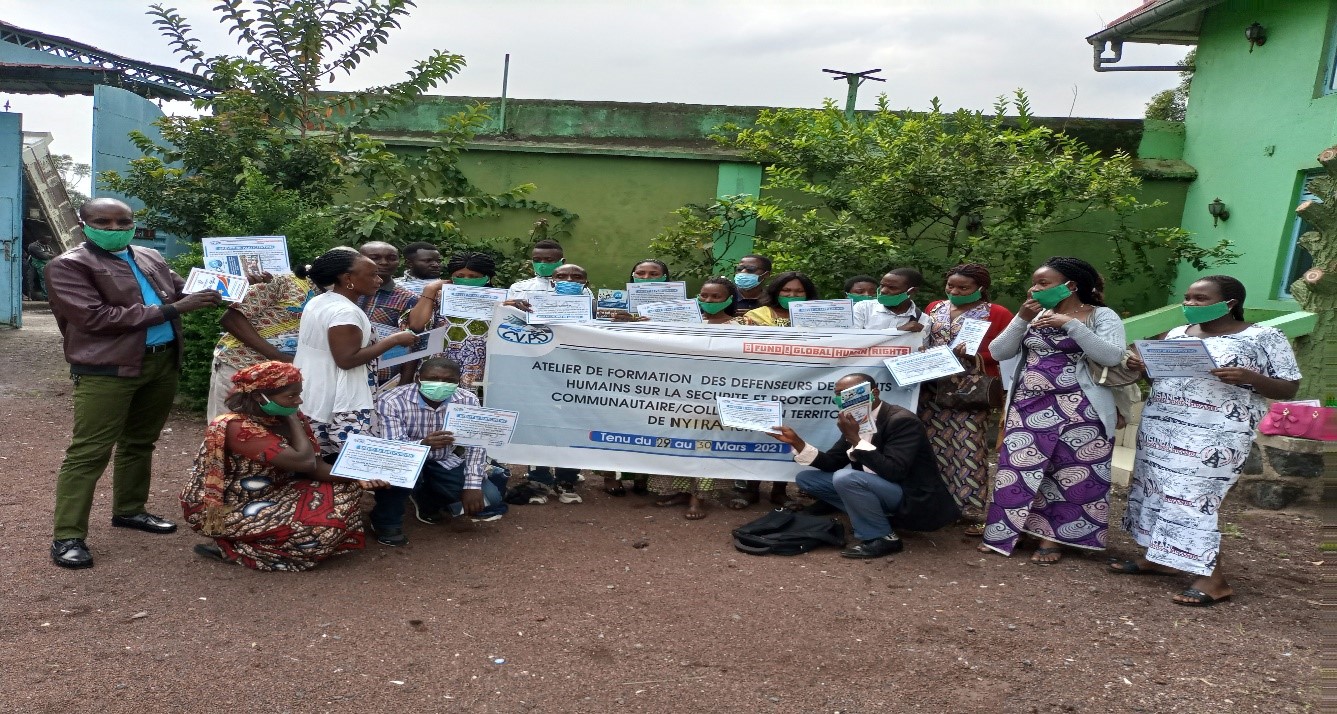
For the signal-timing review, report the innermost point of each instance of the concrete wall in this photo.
(1255, 122)
(624, 167)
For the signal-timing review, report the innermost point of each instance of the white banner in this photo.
(641, 397)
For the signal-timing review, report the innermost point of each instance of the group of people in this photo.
(295, 378)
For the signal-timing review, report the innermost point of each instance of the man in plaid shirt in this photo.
(452, 474)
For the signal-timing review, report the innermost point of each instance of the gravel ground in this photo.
(555, 608)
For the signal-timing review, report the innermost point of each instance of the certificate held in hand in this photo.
(923, 366)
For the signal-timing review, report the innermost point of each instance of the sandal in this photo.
(612, 487)
(1045, 552)
(1198, 598)
(739, 503)
(1130, 567)
(677, 499)
(974, 530)
(212, 552)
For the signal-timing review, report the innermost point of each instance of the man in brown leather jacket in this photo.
(118, 308)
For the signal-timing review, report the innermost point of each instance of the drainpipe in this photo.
(505, 78)
(1115, 35)
(1099, 60)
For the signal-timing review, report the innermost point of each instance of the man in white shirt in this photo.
(894, 308)
(547, 257)
(889, 476)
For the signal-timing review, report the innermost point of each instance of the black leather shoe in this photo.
(876, 548)
(71, 553)
(144, 522)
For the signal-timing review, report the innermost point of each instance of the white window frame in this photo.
(1284, 289)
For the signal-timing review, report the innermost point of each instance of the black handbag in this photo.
(974, 391)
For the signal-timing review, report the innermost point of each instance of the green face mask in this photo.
(854, 297)
(785, 302)
(840, 403)
(965, 299)
(273, 408)
(1198, 314)
(893, 300)
(113, 241)
(545, 270)
(471, 282)
(713, 308)
(1049, 298)
(660, 279)
(438, 391)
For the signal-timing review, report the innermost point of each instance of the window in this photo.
(1298, 260)
(1330, 80)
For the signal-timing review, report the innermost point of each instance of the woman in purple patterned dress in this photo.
(1054, 466)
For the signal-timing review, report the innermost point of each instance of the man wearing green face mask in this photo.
(894, 306)
(453, 474)
(118, 309)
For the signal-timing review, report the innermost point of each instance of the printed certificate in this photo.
(480, 426)
(551, 309)
(272, 251)
(684, 311)
(1176, 358)
(475, 303)
(432, 342)
(821, 313)
(366, 458)
(857, 401)
(644, 293)
(923, 366)
(971, 334)
(753, 415)
(232, 287)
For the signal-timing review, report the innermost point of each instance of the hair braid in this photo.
(1090, 286)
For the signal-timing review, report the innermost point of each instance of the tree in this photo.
(1316, 290)
(1172, 104)
(931, 189)
(275, 152)
(71, 173)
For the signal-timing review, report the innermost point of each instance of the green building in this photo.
(1262, 105)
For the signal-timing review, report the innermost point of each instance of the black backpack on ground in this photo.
(783, 532)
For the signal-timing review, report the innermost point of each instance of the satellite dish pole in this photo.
(854, 79)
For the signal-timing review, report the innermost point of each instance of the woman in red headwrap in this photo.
(259, 488)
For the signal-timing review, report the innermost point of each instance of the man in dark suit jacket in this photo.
(879, 479)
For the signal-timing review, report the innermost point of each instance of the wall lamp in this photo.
(1256, 34)
(1218, 210)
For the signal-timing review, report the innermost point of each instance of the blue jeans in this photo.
(550, 476)
(867, 498)
(438, 488)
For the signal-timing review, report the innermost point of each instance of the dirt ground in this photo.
(553, 609)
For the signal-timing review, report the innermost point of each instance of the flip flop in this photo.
(1199, 598)
(1130, 567)
(1047, 551)
(974, 530)
(615, 490)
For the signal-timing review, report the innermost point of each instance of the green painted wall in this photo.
(624, 167)
(1255, 122)
(622, 202)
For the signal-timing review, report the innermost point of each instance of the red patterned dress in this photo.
(260, 516)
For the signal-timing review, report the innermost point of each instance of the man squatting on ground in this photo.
(886, 478)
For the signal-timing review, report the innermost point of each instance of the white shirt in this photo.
(810, 452)
(327, 389)
(537, 284)
(873, 315)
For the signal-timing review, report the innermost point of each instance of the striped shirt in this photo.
(405, 416)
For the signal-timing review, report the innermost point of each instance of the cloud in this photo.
(748, 52)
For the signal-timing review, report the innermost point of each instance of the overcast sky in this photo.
(751, 52)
